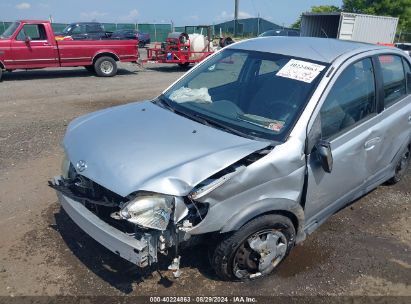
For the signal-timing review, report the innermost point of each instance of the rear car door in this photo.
(347, 120)
(395, 117)
(38, 51)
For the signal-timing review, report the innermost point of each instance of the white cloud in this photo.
(23, 6)
(244, 15)
(131, 16)
(224, 16)
(92, 15)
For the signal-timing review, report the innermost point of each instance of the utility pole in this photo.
(236, 3)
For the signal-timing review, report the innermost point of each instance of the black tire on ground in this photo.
(105, 67)
(228, 259)
(1, 74)
(90, 68)
(184, 65)
(401, 167)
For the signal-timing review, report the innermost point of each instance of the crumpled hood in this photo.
(141, 146)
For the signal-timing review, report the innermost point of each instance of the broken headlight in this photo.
(150, 211)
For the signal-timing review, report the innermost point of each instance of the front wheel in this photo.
(255, 250)
(105, 67)
(1, 74)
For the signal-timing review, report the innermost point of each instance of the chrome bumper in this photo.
(124, 245)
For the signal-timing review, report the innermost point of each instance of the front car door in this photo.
(32, 48)
(347, 119)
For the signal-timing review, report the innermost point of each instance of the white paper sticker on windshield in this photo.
(300, 70)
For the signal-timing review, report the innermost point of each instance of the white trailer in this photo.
(349, 26)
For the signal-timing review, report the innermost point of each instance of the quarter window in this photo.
(393, 78)
(351, 99)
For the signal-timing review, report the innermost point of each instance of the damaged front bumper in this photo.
(125, 245)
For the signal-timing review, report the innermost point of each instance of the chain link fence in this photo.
(158, 32)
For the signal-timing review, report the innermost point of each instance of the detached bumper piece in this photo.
(124, 245)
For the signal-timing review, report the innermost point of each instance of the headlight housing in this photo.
(65, 166)
(149, 211)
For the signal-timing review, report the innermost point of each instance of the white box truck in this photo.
(349, 26)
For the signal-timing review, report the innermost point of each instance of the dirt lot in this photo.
(365, 249)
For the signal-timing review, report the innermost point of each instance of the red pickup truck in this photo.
(31, 44)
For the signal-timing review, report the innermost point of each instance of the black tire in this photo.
(401, 167)
(90, 69)
(184, 65)
(105, 67)
(1, 74)
(229, 253)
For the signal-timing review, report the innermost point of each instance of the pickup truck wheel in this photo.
(1, 74)
(255, 250)
(401, 167)
(105, 67)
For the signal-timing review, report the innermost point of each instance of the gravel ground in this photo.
(362, 250)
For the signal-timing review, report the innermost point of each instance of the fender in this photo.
(267, 206)
(108, 52)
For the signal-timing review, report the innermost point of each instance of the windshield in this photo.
(10, 30)
(258, 94)
(67, 29)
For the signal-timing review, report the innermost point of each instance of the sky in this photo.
(181, 12)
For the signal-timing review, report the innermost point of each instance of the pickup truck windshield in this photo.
(10, 30)
(258, 94)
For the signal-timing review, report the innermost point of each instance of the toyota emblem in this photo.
(81, 165)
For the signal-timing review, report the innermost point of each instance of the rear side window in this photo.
(393, 78)
(351, 99)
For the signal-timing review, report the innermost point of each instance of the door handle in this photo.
(46, 44)
(370, 144)
(409, 119)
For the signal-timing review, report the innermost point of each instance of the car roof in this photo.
(33, 21)
(92, 22)
(317, 49)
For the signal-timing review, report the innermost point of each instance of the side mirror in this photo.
(325, 155)
(27, 39)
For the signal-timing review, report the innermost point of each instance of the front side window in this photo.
(34, 31)
(350, 100)
(258, 94)
(393, 78)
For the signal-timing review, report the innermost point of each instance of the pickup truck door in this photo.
(348, 118)
(33, 47)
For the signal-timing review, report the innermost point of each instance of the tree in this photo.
(317, 9)
(393, 8)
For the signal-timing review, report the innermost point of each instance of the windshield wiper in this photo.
(165, 103)
(210, 122)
